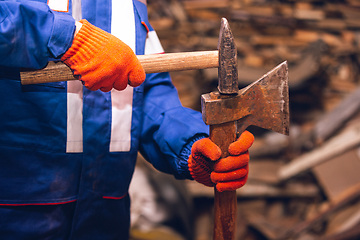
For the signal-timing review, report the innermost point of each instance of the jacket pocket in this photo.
(29, 177)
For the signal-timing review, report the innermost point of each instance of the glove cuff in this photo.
(199, 166)
(198, 173)
(86, 44)
(182, 160)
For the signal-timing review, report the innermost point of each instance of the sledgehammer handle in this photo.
(153, 63)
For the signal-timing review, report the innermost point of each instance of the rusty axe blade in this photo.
(271, 94)
(264, 103)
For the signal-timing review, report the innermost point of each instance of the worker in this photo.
(68, 149)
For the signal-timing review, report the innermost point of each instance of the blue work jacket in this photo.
(47, 157)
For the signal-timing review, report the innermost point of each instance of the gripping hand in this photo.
(226, 174)
(102, 61)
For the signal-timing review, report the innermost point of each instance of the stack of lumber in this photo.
(319, 39)
(305, 186)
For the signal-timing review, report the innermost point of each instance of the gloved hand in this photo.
(102, 61)
(228, 173)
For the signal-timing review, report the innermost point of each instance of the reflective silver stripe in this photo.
(59, 5)
(74, 141)
(76, 9)
(152, 44)
(123, 27)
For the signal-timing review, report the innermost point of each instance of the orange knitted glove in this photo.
(102, 61)
(228, 173)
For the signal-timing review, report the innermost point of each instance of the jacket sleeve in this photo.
(169, 129)
(31, 33)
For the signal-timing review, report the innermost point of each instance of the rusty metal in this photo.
(227, 71)
(265, 104)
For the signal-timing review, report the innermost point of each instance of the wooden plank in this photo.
(309, 14)
(259, 222)
(204, 14)
(307, 36)
(344, 220)
(264, 171)
(331, 24)
(201, 4)
(347, 197)
(346, 140)
(334, 120)
(350, 234)
(339, 173)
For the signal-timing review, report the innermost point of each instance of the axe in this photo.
(229, 111)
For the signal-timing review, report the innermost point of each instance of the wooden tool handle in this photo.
(154, 63)
(225, 202)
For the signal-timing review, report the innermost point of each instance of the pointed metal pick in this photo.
(227, 72)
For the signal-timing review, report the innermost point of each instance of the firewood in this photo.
(197, 4)
(350, 234)
(344, 141)
(305, 11)
(344, 220)
(338, 174)
(346, 198)
(336, 119)
(332, 24)
(264, 170)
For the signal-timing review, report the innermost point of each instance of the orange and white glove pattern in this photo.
(227, 174)
(102, 61)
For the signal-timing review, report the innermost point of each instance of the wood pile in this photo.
(307, 185)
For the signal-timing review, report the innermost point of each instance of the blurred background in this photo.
(305, 186)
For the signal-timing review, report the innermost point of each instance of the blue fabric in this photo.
(34, 165)
(168, 123)
(47, 34)
(37, 222)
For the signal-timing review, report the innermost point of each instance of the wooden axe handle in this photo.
(153, 63)
(225, 203)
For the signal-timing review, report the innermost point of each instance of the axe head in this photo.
(264, 103)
